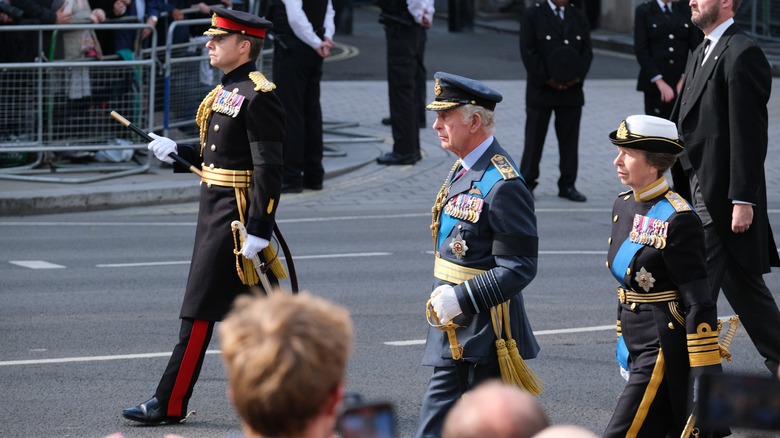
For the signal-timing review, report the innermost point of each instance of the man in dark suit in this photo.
(556, 50)
(722, 118)
(663, 38)
(485, 241)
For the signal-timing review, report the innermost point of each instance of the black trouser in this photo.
(567, 129)
(297, 75)
(746, 291)
(445, 387)
(654, 106)
(175, 387)
(406, 85)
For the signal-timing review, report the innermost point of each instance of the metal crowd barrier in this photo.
(59, 106)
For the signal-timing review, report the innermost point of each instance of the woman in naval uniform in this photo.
(666, 317)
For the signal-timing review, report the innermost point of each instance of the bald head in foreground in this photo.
(565, 431)
(496, 410)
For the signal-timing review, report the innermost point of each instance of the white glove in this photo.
(162, 146)
(445, 303)
(253, 245)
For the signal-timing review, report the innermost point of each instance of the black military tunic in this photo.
(675, 331)
(244, 131)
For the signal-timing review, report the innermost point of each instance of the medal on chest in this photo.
(649, 231)
(228, 102)
(465, 207)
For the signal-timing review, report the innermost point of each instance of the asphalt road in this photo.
(88, 334)
(89, 301)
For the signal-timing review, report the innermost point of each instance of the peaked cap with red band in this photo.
(227, 21)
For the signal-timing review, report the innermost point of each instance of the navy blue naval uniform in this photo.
(665, 339)
(490, 210)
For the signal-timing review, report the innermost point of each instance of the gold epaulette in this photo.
(703, 346)
(678, 202)
(261, 83)
(504, 167)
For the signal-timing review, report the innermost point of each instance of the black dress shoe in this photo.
(149, 412)
(291, 188)
(391, 158)
(572, 195)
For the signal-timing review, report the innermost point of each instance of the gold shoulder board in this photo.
(678, 202)
(503, 166)
(261, 83)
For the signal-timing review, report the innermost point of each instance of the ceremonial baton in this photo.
(259, 266)
(119, 118)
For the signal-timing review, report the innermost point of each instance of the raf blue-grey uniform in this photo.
(502, 241)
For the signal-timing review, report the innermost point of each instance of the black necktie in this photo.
(559, 12)
(704, 49)
(668, 12)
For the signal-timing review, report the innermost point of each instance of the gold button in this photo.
(628, 271)
(607, 264)
(610, 241)
(633, 306)
(211, 166)
(627, 197)
(216, 128)
(614, 219)
(208, 185)
(671, 326)
(213, 147)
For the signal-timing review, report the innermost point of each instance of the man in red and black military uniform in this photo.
(241, 132)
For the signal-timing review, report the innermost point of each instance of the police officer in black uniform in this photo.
(303, 33)
(406, 24)
(556, 50)
(485, 242)
(240, 153)
(666, 318)
(663, 38)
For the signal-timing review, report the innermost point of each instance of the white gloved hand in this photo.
(162, 146)
(253, 245)
(445, 303)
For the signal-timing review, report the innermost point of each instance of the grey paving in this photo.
(350, 173)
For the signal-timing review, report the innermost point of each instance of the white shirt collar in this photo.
(553, 7)
(471, 159)
(716, 33)
(661, 4)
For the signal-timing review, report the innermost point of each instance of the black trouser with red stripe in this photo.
(175, 388)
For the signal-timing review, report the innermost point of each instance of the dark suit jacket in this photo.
(722, 118)
(662, 45)
(540, 33)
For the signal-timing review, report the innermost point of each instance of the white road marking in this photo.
(287, 221)
(136, 265)
(35, 264)
(537, 333)
(305, 257)
(91, 358)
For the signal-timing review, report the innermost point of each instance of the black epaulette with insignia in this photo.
(678, 202)
(504, 167)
